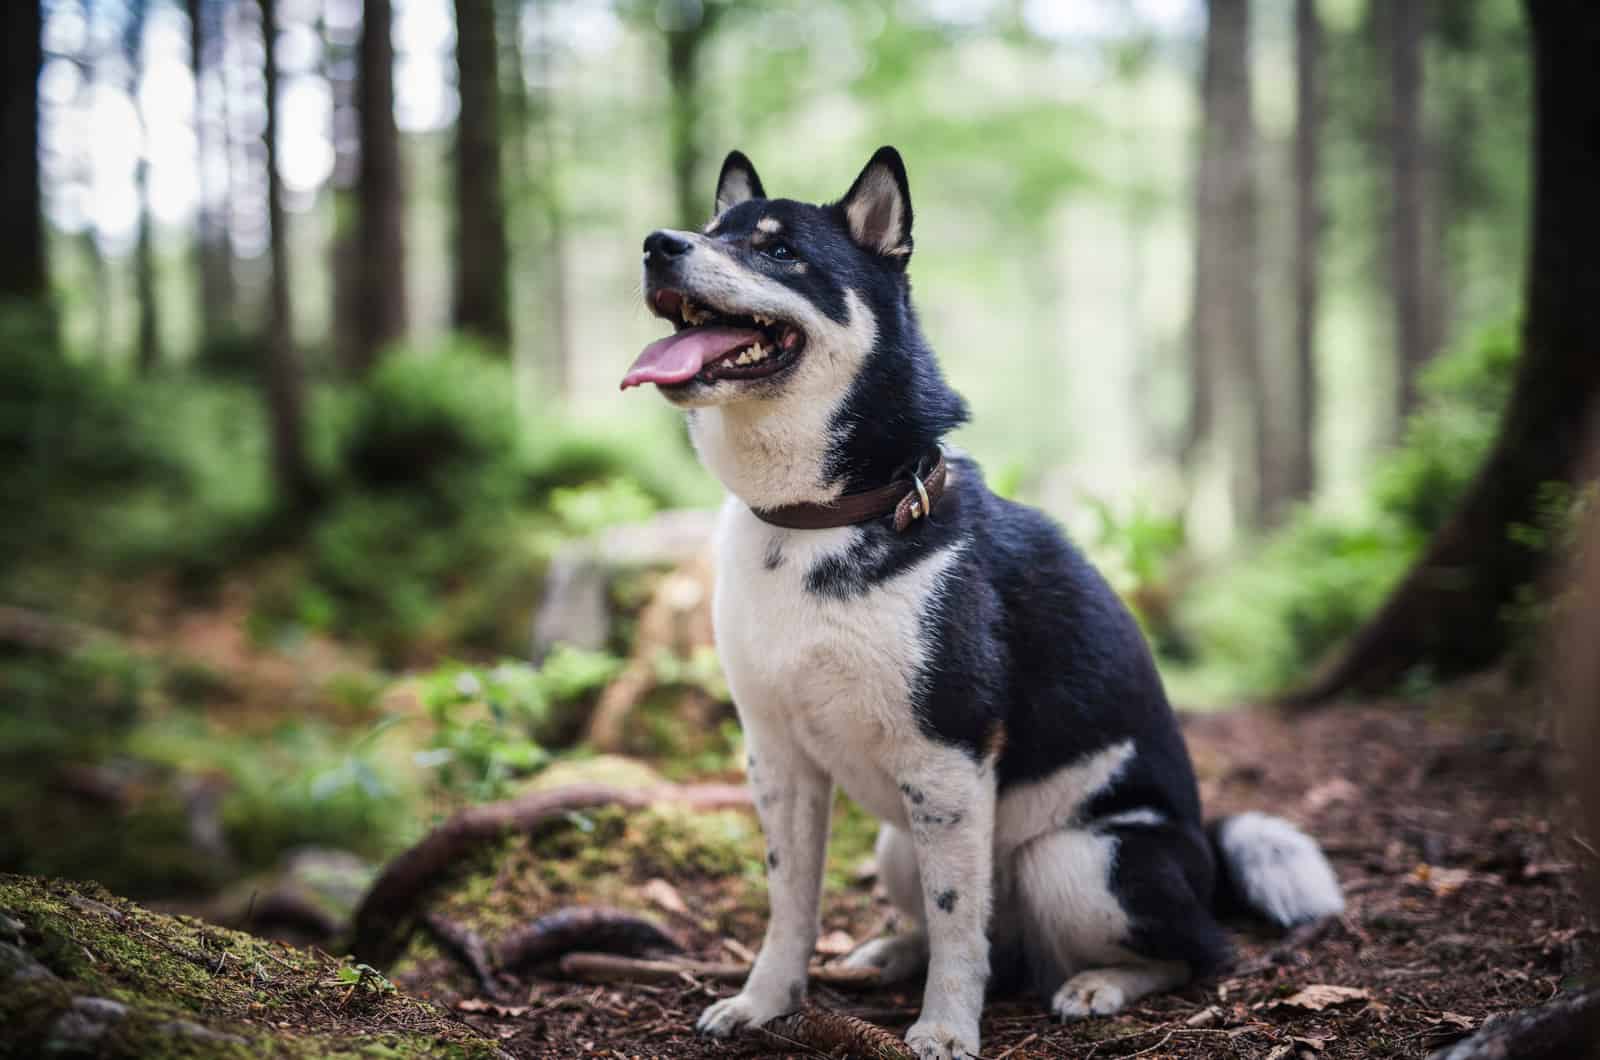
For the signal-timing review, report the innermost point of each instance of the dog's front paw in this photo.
(939, 1040)
(743, 1009)
(1088, 994)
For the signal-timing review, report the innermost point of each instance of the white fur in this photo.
(823, 691)
(1107, 991)
(1028, 811)
(1280, 869)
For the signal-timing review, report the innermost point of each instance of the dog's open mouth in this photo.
(709, 345)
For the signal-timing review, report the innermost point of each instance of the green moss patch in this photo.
(85, 973)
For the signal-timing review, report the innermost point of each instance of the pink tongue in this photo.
(679, 358)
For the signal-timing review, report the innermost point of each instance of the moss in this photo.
(189, 989)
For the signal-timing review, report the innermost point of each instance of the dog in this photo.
(889, 625)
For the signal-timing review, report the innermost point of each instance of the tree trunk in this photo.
(1300, 462)
(1408, 200)
(687, 34)
(1226, 362)
(283, 378)
(344, 262)
(380, 230)
(481, 304)
(552, 204)
(148, 352)
(213, 260)
(1446, 615)
(23, 272)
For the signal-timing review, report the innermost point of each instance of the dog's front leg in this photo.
(949, 802)
(793, 799)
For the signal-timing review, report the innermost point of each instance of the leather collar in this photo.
(910, 497)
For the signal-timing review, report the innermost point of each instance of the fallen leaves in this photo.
(1321, 996)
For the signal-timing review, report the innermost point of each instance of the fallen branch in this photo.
(609, 968)
(466, 946)
(589, 928)
(1568, 1027)
(386, 917)
(835, 1033)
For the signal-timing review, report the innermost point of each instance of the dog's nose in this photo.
(662, 246)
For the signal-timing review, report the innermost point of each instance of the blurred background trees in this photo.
(314, 312)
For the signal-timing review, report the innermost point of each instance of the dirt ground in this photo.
(1463, 903)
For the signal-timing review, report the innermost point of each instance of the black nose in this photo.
(662, 246)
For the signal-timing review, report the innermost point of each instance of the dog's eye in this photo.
(779, 250)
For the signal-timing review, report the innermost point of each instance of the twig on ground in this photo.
(1029, 1040)
(595, 929)
(609, 968)
(827, 1032)
(387, 914)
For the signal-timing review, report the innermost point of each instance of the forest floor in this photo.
(1462, 904)
(1461, 883)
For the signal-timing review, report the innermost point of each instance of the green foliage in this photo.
(1141, 543)
(1267, 621)
(487, 720)
(1446, 439)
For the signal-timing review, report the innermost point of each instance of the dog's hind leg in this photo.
(902, 956)
(1114, 914)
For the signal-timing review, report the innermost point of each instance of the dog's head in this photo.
(779, 306)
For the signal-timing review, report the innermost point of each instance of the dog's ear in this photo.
(877, 208)
(737, 182)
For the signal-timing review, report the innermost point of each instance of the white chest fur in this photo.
(833, 675)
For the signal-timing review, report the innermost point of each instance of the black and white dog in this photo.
(967, 677)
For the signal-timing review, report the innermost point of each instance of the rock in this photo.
(196, 1032)
(18, 966)
(84, 1022)
(576, 609)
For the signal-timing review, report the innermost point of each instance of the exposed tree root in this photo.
(387, 914)
(466, 946)
(593, 928)
(835, 1033)
(1563, 1029)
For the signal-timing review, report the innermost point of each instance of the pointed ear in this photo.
(737, 182)
(877, 208)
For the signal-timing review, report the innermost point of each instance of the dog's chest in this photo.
(832, 672)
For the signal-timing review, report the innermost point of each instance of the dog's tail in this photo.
(1270, 868)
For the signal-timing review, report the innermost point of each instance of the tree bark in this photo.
(552, 205)
(380, 230)
(481, 304)
(148, 351)
(283, 378)
(213, 260)
(1226, 367)
(687, 34)
(1300, 463)
(1446, 614)
(23, 271)
(1408, 201)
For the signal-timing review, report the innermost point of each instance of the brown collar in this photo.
(909, 498)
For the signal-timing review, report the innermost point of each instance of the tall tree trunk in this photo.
(1226, 362)
(381, 227)
(144, 268)
(1446, 615)
(213, 259)
(1300, 462)
(148, 351)
(284, 378)
(1407, 221)
(344, 261)
(688, 27)
(552, 204)
(481, 303)
(23, 272)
